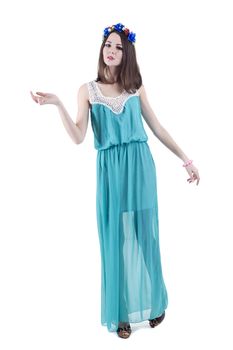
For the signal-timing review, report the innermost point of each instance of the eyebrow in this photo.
(111, 42)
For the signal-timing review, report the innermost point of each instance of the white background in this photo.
(49, 249)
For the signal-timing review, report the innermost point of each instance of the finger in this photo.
(41, 93)
(34, 98)
(191, 176)
(196, 178)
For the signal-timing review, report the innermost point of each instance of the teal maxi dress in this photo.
(132, 285)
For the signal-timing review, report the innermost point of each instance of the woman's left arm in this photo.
(162, 134)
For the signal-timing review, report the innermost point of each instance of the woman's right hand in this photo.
(45, 98)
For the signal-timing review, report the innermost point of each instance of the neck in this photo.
(111, 74)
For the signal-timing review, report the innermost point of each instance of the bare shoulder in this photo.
(83, 95)
(83, 91)
(143, 95)
(140, 89)
(148, 113)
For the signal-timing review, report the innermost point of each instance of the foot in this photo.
(156, 321)
(124, 330)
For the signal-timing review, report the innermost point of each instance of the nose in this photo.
(112, 51)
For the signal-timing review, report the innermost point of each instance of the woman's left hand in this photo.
(193, 173)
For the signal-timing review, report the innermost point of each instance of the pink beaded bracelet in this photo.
(187, 163)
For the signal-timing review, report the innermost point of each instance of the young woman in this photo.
(132, 284)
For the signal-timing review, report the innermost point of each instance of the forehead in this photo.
(114, 38)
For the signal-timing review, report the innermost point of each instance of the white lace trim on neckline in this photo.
(116, 104)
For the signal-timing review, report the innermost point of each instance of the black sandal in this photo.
(124, 331)
(156, 321)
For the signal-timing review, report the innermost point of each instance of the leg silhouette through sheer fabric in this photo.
(146, 245)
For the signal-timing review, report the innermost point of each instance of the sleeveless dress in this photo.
(132, 285)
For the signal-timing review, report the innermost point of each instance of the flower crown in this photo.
(120, 28)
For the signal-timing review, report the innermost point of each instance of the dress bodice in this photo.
(115, 120)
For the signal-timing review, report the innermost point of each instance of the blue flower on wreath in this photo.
(106, 31)
(119, 27)
(131, 37)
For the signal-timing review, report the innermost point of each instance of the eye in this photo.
(118, 47)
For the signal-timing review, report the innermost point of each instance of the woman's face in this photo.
(112, 51)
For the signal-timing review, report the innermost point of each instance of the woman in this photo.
(132, 284)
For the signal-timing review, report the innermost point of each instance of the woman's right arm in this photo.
(77, 130)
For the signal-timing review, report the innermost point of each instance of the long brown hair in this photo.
(129, 76)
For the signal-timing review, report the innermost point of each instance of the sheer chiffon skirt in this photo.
(132, 285)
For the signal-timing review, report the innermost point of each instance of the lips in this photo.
(110, 58)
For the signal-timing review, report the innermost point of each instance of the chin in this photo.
(110, 64)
